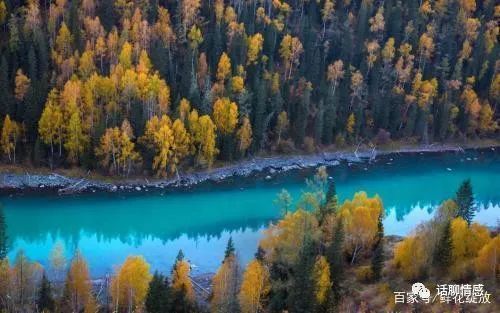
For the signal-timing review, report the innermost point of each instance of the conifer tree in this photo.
(301, 298)
(158, 297)
(331, 202)
(378, 251)
(45, 301)
(335, 257)
(229, 248)
(442, 252)
(465, 201)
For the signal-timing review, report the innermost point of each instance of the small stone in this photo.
(268, 177)
(138, 188)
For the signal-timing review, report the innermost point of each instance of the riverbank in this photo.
(30, 181)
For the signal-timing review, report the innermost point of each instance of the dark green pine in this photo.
(465, 201)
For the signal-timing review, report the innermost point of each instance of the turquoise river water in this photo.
(107, 227)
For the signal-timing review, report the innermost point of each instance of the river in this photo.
(107, 227)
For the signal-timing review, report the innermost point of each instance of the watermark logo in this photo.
(456, 294)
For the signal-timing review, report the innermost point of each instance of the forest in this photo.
(156, 86)
(322, 256)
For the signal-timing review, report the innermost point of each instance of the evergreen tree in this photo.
(331, 201)
(229, 248)
(181, 303)
(465, 201)
(378, 252)
(45, 301)
(158, 297)
(301, 297)
(335, 257)
(442, 252)
(4, 246)
(180, 256)
(260, 254)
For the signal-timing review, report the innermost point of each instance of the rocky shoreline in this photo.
(31, 182)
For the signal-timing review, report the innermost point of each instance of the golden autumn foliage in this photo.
(22, 85)
(225, 285)
(3, 12)
(78, 284)
(424, 91)
(50, 126)
(244, 134)
(203, 134)
(255, 43)
(117, 151)
(360, 219)
(225, 115)
(321, 278)
(171, 141)
(195, 37)
(223, 67)
(254, 287)
(162, 138)
(410, 257)
(351, 122)
(181, 145)
(184, 109)
(487, 262)
(487, 123)
(282, 240)
(11, 134)
(290, 50)
(181, 281)
(237, 84)
(282, 125)
(76, 139)
(466, 244)
(130, 284)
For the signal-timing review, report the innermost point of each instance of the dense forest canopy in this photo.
(160, 85)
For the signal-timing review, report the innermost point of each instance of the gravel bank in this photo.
(12, 183)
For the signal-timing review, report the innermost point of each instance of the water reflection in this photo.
(108, 227)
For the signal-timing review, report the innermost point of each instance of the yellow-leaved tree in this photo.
(487, 262)
(223, 68)
(117, 151)
(203, 135)
(75, 139)
(290, 50)
(50, 126)
(163, 139)
(225, 284)
(22, 85)
(321, 278)
(181, 282)
(11, 134)
(255, 43)
(283, 240)
(181, 145)
(254, 288)
(78, 286)
(467, 241)
(225, 115)
(410, 257)
(360, 218)
(244, 134)
(130, 284)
